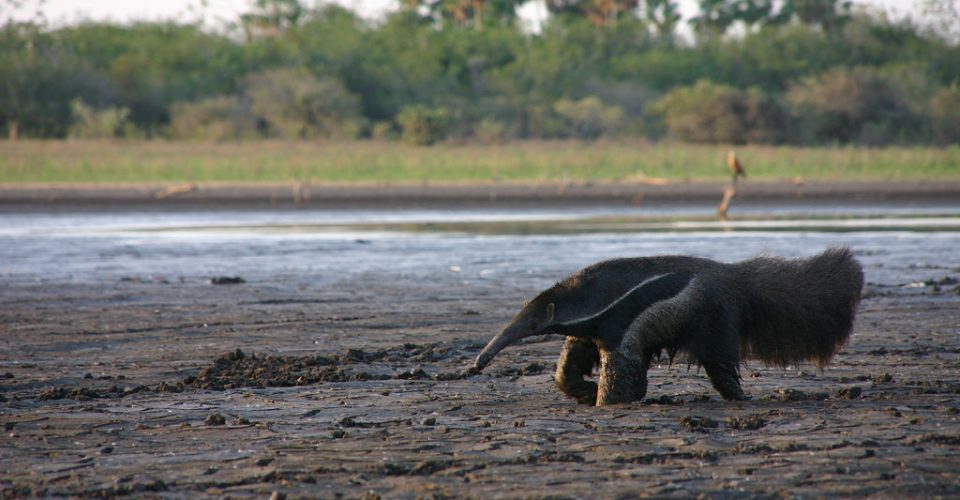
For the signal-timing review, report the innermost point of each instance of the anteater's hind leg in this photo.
(577, 360)
(623, 376)
(725, 377)
(716, 345)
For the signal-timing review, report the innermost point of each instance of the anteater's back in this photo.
(798, 310)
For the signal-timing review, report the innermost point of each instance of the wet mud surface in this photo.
(140, 359)
(357, 389)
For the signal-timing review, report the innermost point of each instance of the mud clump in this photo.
(794, 395)
(87, 393)
(215, 419)
(849, 393)
(532, 368)
(885, 378)
(238, 369)
(698, 424)
(748, 423)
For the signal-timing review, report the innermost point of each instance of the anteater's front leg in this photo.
(623, 376)
(577, 360)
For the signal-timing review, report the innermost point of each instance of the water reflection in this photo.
(537, 246)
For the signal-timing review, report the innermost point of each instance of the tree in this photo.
(826, 14)
(945, 15)
(589, 118)
(218, 118)
(271, 18)
(944, 112)
(39, 79)
(476, 14)
(423, 126)
(598, 12)
(294, 104)
(716, 113)
(663, 15)
(714, 19)
(859, 104)
(90, 123)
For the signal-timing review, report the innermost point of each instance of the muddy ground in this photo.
(187, 388)
(179, 387)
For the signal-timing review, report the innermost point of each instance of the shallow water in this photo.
(898, 245)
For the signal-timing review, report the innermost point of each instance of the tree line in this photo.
(756, 71)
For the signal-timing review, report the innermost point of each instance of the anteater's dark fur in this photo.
(621, 313)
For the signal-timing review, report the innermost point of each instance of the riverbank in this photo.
(259, 195)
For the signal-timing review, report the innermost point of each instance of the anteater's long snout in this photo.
(508, 336)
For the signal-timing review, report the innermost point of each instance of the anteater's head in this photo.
(535, 318)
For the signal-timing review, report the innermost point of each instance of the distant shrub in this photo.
(944, 113)
(384, 131)
(89, 123)
(589, 118)
(636, 100)
(295, 104)
(489, 131)
(422, 125)
(715, 113)
(847, 105)
(214, 119)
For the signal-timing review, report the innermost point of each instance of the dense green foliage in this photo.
(797, 71)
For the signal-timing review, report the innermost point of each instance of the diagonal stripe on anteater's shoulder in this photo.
(610, 323)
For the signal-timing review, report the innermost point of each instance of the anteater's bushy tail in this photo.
(799, 310)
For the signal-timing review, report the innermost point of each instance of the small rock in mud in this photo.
(227, 280)
(663, 399)
(749, 423)
(459, 375)
(346, 422)
(533, 368)
(429, 421)
(428, 467)
(698, 424)
(797, 395)
(7, 375)
(241, 421)
(885, 378)
(853, 392)
(78, 393)
(215, 419)
(416, 373)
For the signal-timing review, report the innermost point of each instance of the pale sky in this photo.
(218, 12)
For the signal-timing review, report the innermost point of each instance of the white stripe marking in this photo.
(614, 303)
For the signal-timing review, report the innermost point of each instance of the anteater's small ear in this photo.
(550, 310)
(526, 303)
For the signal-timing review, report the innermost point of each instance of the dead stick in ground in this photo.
(729, 191)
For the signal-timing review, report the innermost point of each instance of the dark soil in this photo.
(189, 389)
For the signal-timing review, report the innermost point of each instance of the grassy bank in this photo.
(366, 161)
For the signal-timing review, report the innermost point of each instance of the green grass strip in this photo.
(390, 162)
